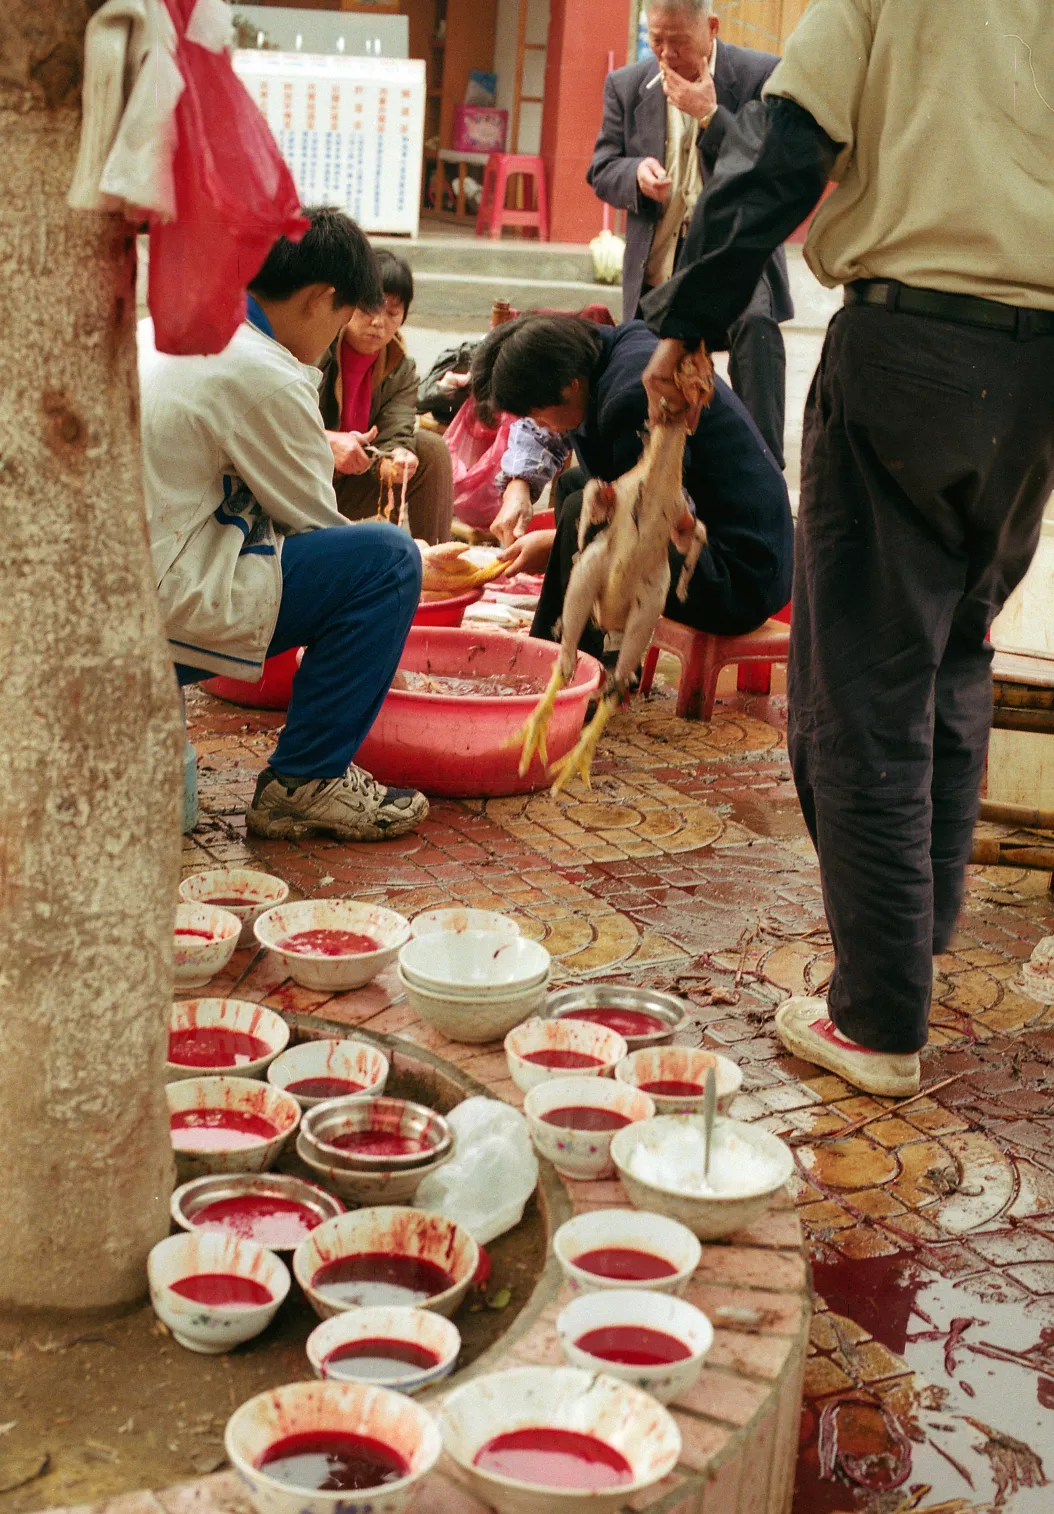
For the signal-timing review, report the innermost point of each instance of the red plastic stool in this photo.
(703, 656)
(493, 212)
(756, 677)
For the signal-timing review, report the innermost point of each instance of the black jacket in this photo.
(634, 127)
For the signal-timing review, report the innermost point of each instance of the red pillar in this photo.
(581, 34)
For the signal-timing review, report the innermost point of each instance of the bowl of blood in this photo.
(372, 1187)
(205, 940)
(641, 1016)
(652, 1340)
(215, 1291)
(661, 1167)
(544, 1440)
(237, 889)
(572, 1121)
(376, 1135)
(228, 1125)
(616, 1249)
(461, 920)
(542, 1049)
(316, 1071)
(395, 1347)
(675, 1077)
(270, 1208)
(332, 943)
(386, 1256)
(331, 1448)
(207, 1036)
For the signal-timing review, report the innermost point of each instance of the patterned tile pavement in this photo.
(930, 1380)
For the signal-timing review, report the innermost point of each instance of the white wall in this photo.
(534, 67)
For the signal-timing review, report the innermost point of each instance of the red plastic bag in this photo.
(234, 198)
(476, 451)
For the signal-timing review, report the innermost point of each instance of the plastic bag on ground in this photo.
(494, 1171)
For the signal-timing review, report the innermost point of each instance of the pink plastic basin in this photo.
(445, 612)
(456, 746)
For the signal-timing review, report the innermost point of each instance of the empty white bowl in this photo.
(395, 1231)
(636, 1309)
(346, 1061)
(474, 963)
(254, 892)
(598, 1049)
(466, 1018)
(312, 1408)
(384, 926)
(681, 1064)
(211, 1327)
(607, 1230)
(242, 1097)
(576, 1153)
(193, 1205)
(564, 1398)
(237, 1016)
(205, 941)
(416, 1327)
(461, 920)
(659, 1169)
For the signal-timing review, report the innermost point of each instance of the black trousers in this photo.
(928, 456)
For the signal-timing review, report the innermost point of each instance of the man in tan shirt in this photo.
(928, 452)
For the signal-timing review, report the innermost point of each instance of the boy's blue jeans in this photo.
(348, 596)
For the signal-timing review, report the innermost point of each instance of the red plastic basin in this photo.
(456, 746)
(445, 612)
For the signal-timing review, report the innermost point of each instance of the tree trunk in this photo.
(90, 733)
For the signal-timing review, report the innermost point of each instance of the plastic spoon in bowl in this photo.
(709, 1110)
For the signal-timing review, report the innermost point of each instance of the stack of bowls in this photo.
(377, 1177)
(474, 986)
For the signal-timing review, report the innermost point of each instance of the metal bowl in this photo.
(673, 1012)
(196, 1195)
(391, 1116)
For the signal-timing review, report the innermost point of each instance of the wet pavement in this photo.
(930, 1385)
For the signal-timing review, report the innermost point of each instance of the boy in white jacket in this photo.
(251, 555)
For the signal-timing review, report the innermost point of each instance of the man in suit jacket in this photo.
(664, 123)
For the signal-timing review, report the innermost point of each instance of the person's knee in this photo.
(390, 553)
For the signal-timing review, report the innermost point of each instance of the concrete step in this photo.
(475, 257)
(456, 302)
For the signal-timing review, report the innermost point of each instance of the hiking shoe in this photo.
(354, 808)
(806, 1029)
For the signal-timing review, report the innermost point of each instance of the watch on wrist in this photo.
(704, 121)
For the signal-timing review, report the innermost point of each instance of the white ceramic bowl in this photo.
(419, 1327)
(709, 1216)
(476, 963)
(565, 1398)
(581, 1154)
(368, 1188)
(471, 1020)
(461, 920)
(243, 1096)
(681, 1064)
(1037, 974)
(603, 1229)
(259, 891)
(354, 1408)
(646, 1310)
(191, 1199)
(337, 973)
(402, 1232)
(211, 1328)
(205, 941)
(231, 1015)
(353, 1061)
(560, 1036)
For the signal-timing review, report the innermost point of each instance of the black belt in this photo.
(966, 309)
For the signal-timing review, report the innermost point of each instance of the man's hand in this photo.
(698, 99)
(653, 180)
(665, 400)
(530, 554)
(349, 449)
(452, 381)
(406, 461)
(512, 519)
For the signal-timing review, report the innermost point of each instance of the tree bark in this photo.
(90, 732)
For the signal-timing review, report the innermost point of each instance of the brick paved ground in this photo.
(930, 1381)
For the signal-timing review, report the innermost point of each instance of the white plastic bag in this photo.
(493, 1173)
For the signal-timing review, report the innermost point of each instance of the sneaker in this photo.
(807, 1030)
(354, 808)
